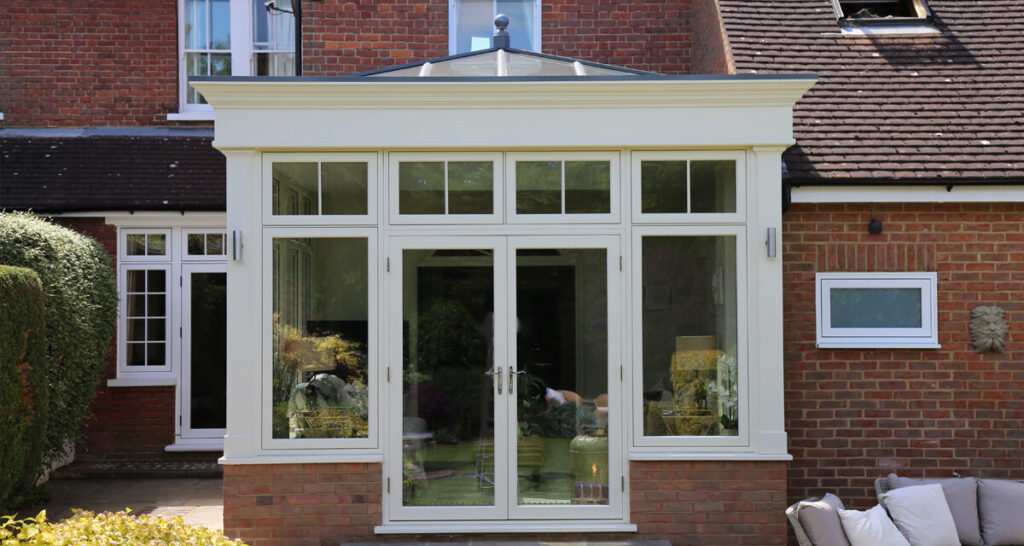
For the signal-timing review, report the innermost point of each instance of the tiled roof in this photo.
(947, 107)
(111, 173)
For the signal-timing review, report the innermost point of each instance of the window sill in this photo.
(677, 456)
(308, 459)
(878, 345)
(182, 445)
(142, 382)
(190, 116)
(449, 527)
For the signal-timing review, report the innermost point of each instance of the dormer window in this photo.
(880, 11)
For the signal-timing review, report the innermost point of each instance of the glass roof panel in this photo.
(501, 62)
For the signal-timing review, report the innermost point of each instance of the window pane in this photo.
(195, 244)
(220, 24)
(195, 24)
(588, 187)
(136, 306)
(156, 244)
(135, 354)
(470, 187)
(539, 187)
(136, 330)
(344, 187)
(421, 187)
(196, 65)
(156, 330)
(474, 25)
(157, 280)
(875, 307)
(689, 336)
(156, 354)
(520, 25)
(662, 186)
(296, 183)
(135, 244)
(320, 337)
(214, 244)
(220, 64)
(275, 64)
(136, 280)
(156, 306)
(713, 186)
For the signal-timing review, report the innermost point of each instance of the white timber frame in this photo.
(924, 336)
(748, 119)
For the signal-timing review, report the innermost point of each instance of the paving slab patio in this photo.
(199, 501)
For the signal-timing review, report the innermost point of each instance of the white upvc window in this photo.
(689, 187)
(445, 188)
(471, 24)
(324, 189)
(230, 38)
(877, 310)
(145, 319)
(562, 187)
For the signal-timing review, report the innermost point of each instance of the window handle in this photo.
(499, 373)
(513, 379)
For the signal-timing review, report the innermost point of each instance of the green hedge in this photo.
(24, 401)
(80, 296)
(107, 529)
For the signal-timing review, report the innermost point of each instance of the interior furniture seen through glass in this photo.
(320, 337)
(680, 186)
(208, 351)
(690, 367)
(561, 386)
(448, 377)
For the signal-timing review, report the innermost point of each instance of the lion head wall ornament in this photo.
(988, 329)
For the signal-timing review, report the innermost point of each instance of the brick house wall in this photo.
(684, 502)
(855, 415)
(710, 45)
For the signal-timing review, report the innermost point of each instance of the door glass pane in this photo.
(875, 307)
(562, 385)
(320, 337)
(208, 352)
(713, 186)
(295, 183)
(539, 187)
(689, 336)
(421, 187)
(470, 187)
(663, 186)
(588, 187)
(344, 187)
(447, 407)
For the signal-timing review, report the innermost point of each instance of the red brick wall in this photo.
(127, 422)
(854, 415)
(683, 502)
(88, 62)
(342, 37)
(710, 45)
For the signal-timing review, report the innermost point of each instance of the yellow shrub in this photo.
(107, 529)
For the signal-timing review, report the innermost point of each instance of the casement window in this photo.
(867, 10)
(231, 38)
(877, 310)
(471, 24)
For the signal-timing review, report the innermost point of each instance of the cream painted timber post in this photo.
(767, 400)
(243, 304)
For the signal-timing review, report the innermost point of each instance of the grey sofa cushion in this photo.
(820, 520)
(1001, 505)
(962, 497)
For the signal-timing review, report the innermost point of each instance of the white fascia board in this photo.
(908, 194)
(507, 115)
(162, 219)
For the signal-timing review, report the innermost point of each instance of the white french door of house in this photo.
(502, 354)
(203, 350)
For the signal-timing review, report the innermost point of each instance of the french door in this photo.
(203, 350)
(504, 379)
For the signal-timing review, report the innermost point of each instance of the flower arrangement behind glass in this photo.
(726, 391)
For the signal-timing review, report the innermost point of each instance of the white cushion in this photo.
(871, 528)
(922, 515)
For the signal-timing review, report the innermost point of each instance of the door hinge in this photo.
(181, 282)
(388, 264)
(620, 263)
(388, 370)
(622, 372)
(389, 485)
(179, 332)
(179, 420)
(623, 483)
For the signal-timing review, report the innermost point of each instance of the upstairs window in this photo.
(880, 11)
(471, 24)
(233, 38)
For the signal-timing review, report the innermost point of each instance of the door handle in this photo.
(513, 376)
(499, 373)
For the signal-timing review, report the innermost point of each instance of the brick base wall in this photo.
(684, 502)
(854, 415)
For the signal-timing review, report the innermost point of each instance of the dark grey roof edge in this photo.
(510, 50)
(883, 182)
(627, 77)
(84, 132)
(114, 207)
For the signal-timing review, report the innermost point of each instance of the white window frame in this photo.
(746, 393)
(243, 58)
(122, 253)
(739, 156)
(326, 446)
(395, 217)
(186, 257)
(829, 337)
(124, 371)
(615, 201)
(453, 25)
(372, 161)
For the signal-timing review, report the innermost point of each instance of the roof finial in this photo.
(501, 38)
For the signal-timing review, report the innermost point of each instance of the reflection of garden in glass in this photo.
(664, 185)
(448, 416)
(320, 337)
(540, 186)
(875, 307)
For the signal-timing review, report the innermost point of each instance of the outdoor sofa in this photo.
(981, 512)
